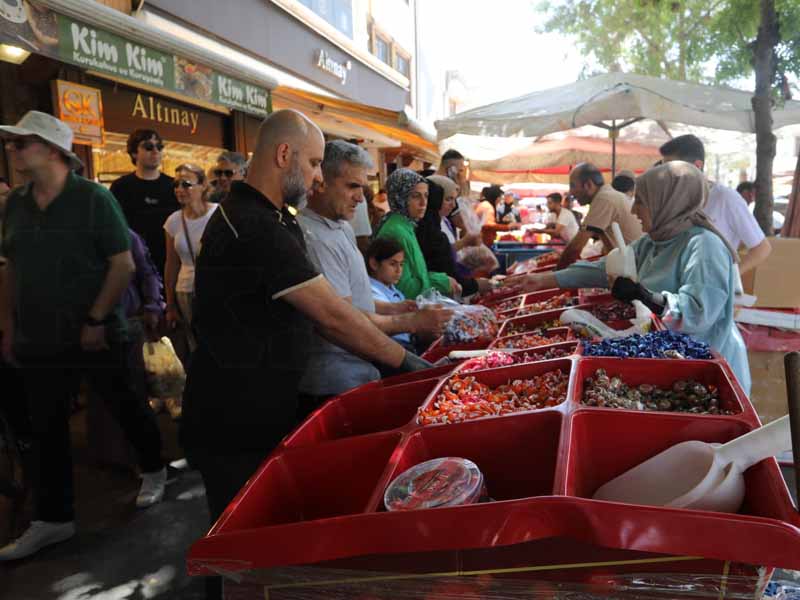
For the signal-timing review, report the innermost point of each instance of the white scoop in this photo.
(698, 475)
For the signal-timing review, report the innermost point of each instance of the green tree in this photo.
(708, 41)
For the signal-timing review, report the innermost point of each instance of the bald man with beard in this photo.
(257, 298)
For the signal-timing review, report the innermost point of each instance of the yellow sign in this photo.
(81, 107)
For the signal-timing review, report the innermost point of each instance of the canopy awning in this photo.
(557, 157)
(614, 96)
(386, 128)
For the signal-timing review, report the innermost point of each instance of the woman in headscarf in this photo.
(687, 272)
(436, 247)
(408, 199)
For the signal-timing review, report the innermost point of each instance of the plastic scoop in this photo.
(698, 475)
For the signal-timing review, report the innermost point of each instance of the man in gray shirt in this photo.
(332, 249)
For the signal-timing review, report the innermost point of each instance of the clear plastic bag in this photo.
(480, 260)
(166, 377)
(472, 223)
(586, 324)
(469, 323)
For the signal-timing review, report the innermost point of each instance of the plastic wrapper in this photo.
(436, 483)
(532, 264)
(587, 325)
(480, 260)
(166, 377)
(472, 223)
(469, 323)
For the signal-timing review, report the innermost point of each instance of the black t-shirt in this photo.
(146, 205)
(252, 346)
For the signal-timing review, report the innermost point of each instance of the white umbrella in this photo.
(617, 97)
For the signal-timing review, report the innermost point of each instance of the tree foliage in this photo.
(685, 40)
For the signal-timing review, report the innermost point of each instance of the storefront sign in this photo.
(242, 96)
(81, 107)
(65, 39)
(126, 109)
(96, 49)
(327, 63)
(148, 107)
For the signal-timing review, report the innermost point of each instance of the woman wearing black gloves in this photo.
(686, 270)
(439, 254)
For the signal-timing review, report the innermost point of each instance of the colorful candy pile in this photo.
(531, 264)
(470, 324)
(492, 360)
(464, 398)
(614, 311)
(544, 354)
(684, 396)
(515, 328)
(506, 305)
(529, 340)
(656, 344)
(560, 301)
(498, 294)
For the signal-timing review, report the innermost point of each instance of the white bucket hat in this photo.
(51, 130)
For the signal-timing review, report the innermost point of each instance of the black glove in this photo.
(412, 362)
(627, 290)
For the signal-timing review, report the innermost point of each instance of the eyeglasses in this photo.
(183, 183)
(229, 173)
(150, 146)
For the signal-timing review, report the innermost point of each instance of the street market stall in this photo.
(477, 478)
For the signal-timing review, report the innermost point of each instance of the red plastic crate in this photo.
(311, 519)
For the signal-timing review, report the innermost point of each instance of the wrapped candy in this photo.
(684, 396)
(489, 361)
(515, 328)
(656, 344)
(464, 398)
(467, 325)
(529, 340)
(614, 311)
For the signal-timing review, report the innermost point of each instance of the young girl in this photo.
(385, 258)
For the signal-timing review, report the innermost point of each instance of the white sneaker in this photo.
(39, 535)
(152, 490)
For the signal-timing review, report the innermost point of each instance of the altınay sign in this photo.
(325, 62)
(93, 48)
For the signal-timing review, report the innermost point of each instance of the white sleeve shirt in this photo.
(729, 213)
(570, 223)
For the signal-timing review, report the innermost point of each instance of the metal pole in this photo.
(613, 133)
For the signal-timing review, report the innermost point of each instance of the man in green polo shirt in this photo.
(68, 264)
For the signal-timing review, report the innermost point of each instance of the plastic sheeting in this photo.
(612, 96)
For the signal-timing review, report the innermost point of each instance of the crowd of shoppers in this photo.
(291, 310)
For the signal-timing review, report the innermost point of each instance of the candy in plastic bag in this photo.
(472, 223)
(586, 324)
(468, 324)
(166, 377)
(480, 260)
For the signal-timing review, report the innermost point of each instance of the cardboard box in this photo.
(775, 283)
(768, 393)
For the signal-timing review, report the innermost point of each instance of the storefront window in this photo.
(338, 13)
(112, 161)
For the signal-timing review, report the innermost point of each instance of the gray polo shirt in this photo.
(332, 249)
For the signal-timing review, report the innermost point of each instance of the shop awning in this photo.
(114, 45)
(389, 125)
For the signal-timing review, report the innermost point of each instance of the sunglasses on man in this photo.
(229, 173)
(150, 146)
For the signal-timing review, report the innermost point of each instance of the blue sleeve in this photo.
(704, 286)
(584, 275)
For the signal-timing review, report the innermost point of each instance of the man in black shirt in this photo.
(146, 195)
(257, 297)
